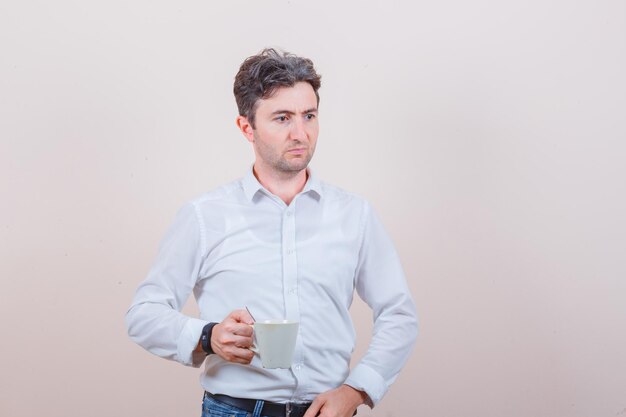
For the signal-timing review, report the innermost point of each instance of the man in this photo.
(286, 245)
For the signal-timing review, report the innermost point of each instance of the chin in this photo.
(294, 167)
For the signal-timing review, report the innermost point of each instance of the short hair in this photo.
(262, 74)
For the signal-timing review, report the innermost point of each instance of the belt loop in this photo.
(287, 409)
(257, 408)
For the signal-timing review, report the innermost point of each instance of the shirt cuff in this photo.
(188, 341)
(364, 378)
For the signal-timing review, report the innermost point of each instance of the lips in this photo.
(297, 151)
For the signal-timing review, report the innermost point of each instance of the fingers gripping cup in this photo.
(274, 342)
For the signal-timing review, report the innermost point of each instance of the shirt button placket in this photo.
(290, 288)
(290, 265)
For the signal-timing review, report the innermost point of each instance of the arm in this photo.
(154, 320)
(380, 282)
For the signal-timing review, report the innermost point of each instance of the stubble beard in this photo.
(279, 163)
(294, 165)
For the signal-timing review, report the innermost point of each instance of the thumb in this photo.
(242, 316)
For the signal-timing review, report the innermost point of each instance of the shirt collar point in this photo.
(251, 186)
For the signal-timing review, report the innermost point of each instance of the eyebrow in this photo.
(311, 110)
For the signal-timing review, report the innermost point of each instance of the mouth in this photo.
(297, 151)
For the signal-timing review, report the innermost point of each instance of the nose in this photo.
(297, 131)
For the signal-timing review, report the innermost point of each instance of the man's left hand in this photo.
(339, 402)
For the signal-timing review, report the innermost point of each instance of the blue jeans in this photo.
(213, 408)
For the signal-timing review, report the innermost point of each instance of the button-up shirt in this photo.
(240, 245)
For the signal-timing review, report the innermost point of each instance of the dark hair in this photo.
(261, 75)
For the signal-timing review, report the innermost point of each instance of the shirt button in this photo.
(289, 213)
(292, 291)
(289, 251)
(298, 367)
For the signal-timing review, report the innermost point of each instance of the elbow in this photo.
(131, 323)
(415, 327)
(414, 324)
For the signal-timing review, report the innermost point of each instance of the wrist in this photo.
(358, 397)
(205, 338)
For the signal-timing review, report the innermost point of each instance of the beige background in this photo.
(489, 135)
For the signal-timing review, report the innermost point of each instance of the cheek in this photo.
(313, 135)
(269, 146)
(313, 130)
(269, 134)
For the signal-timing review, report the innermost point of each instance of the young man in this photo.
(286, 245)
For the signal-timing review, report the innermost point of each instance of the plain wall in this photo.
(489, 136)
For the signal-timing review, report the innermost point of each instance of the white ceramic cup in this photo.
(274, 342)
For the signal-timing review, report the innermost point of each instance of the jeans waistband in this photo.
(269, 408)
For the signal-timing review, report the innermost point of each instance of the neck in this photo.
(285, 185)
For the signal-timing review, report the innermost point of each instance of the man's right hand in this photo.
(232, 338)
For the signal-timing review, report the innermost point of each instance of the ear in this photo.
(246, 128)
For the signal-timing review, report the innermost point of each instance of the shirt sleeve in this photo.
(381, 283)
(154, 320)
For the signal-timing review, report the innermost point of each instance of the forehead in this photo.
(298, 98)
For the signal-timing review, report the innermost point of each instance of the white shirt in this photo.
(241, 246)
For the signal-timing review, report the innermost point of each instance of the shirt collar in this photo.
(251, 186)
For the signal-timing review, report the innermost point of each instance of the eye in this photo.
(281, 119)
(310, 116)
